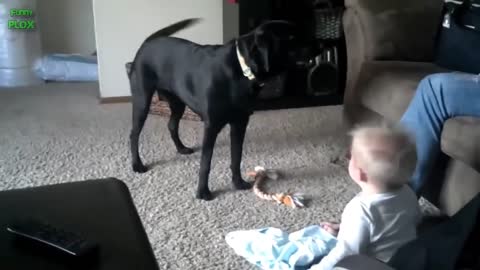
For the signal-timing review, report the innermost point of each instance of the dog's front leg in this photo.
(237, 136)
(209, 138)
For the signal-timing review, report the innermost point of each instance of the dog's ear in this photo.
(261, 45)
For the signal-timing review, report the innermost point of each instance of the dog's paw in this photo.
(186, 151)
(205, 195)
(139, 168)
(242, 185)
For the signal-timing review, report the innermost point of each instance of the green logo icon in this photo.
(23, 24)
(21, 12)
(18, 24)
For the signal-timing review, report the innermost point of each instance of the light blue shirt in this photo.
(376, 226)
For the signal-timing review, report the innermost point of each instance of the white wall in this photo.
(122, 25)
(231, 21)
(66, 26)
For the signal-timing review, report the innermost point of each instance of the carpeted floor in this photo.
(59, 133)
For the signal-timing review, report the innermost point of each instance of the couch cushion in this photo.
(460, 185)
(461, 140)
(386, 87)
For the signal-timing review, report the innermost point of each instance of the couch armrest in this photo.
(388, 30)
(360, 262)
(395, 30)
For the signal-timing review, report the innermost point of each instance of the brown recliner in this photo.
(390, 48)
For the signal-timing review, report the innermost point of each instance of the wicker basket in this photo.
(161, 107)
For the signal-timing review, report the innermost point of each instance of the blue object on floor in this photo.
(273, 249)
(67, 67)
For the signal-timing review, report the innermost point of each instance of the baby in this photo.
(384, 215)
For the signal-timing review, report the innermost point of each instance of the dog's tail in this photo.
(164, 32)
(172, 29)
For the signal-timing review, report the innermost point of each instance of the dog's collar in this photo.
(247, 71)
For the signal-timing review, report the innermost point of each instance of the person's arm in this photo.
(353, 237)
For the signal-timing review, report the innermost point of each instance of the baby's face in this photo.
(353, 169)
(357, 174)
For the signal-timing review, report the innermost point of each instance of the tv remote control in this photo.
(65, 241)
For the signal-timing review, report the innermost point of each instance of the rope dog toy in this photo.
(259, 175)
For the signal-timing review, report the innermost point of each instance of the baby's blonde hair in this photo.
(386, 154)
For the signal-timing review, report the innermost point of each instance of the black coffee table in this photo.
(102, 209)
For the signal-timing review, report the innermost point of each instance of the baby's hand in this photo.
(331, 227)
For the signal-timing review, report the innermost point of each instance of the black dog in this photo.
(218, 82)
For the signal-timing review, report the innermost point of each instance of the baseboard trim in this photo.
(110, 100)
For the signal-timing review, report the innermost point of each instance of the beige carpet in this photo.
(60, 133)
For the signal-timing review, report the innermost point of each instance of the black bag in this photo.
(458, 41)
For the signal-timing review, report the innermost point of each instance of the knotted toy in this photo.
(260, 175)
